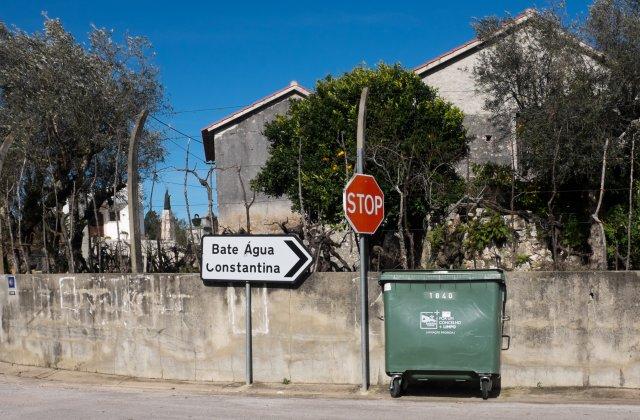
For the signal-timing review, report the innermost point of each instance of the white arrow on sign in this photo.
(254, 258)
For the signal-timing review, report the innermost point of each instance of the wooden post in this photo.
(133, 194)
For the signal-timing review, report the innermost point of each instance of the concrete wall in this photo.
(567, 329)
(243, 145)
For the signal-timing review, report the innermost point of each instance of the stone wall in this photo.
(567, 329)
(490, 139)
(531, 251)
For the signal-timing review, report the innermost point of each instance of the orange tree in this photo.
(413, 140)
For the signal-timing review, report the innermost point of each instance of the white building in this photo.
(114, 217)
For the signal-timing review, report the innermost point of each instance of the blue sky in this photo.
(219, 56)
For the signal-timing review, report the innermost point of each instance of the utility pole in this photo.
(133, 194)
(364, 258)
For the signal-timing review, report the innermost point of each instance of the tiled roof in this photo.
(293, 87)
(474, 43)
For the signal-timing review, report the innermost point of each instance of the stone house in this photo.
(237, 145)
(491, 141)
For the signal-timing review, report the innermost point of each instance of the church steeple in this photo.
(167, 200)
(168, 225)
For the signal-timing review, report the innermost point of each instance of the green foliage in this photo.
(437, 236)
(574, 233)
(616, 222)
(494, 181)
(182, 230)
(522, 259)
(152, 225)
(483, 233)
(413, 140)
(286, 381)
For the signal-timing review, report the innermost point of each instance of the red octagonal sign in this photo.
(363, 204)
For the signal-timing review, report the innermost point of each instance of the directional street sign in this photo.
(363, 203)
(253, 258)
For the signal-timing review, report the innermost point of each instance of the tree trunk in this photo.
(23, 252)
(16, 261)
(4, 149)
(425, 255)
(550, 206)
(44, 237)
(247, 203)
(597, 239)
(400, 232)
(115, 206)
(2, 269)
(94, 206)
(190, 240)
(213, 224)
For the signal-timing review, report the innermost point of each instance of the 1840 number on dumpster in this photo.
(440, 295)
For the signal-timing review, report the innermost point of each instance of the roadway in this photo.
(42, 394)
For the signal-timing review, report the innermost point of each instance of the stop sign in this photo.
(363, 203)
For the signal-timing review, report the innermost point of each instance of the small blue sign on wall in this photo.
(11, 280)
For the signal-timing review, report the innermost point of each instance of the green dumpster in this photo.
(444, 325)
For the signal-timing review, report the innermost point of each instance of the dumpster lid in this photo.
(440, 275)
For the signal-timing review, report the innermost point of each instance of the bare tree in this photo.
(597, 239)
(14, 258)
(4, 150)
(116, 184)
(206, 183)
(246, 201)
(23, 252)
(190, 239)
(631, 164)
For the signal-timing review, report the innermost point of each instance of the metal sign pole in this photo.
(364, 260)
(248, 341)
(262, 259)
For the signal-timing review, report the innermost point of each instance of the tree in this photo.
(152, 224)
(414, 138)
(613, 27)
(558, 85)
(70, 109)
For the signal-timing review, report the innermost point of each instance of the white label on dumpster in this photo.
(428, 320)
(439, 322)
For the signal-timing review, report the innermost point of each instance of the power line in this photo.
(183, 134)
(186, 111)
(182, 184)
(175, 129)
(174, 169)
(177, 144)
(195, 156)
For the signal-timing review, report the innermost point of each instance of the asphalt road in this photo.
(30, 398)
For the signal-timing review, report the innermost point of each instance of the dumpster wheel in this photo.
(485, 386)
(496, 386)
(395, 387)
